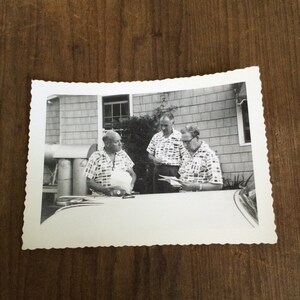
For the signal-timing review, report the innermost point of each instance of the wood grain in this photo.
(95, 41)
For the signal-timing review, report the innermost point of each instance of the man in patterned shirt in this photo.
(165, 151)
(104, 162)
(200, 169)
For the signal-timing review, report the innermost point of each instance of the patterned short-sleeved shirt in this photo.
(203, 166)
(169, 149)
(100, 166)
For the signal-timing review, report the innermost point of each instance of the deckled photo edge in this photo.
(31, 228)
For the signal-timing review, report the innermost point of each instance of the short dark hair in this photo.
(193, 130)
(168, 115)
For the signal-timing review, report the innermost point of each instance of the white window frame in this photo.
(240, 123)
(100, 121)
(101, 130)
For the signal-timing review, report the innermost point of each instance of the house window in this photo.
(242, 114)
(243, 122)
(115, 112)
(246, 125)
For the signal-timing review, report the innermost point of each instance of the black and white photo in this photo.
(176, 161)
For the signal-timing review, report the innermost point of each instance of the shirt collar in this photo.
(106, 154)
(200, 148)
(172, 133)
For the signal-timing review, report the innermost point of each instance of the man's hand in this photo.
(131, 187)
(157, 161)
(107, 191)
(116, 191)
(195, 186)
(190, 186)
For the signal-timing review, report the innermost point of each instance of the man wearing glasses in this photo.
(200, 169)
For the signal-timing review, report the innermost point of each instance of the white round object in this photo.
(121, 179)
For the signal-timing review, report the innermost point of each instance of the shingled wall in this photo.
(213, 110)
(53, 121)
(74, 120)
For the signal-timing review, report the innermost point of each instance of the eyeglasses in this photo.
(187, 142)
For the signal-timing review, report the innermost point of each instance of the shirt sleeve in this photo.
(90, 169)
(151, 147)
(182, 152)
(214, 174)
(128, 162)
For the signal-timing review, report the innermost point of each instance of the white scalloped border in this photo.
(266, 233)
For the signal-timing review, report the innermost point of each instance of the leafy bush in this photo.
(159, 111)
(136, 137)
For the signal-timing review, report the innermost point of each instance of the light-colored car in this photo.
(148, 219)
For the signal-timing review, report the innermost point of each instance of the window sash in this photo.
(115, 113)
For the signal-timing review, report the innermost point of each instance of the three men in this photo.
(165, 151)
(104, 162)
(177, 154)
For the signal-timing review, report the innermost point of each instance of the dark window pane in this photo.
(123, 119)
(246, 122)
(107, 119)
(107, 123)
(108, 126)
(116, 109)
(107, 110)
(124, 109)
(116, 123)
(116, 120)
(116, 98)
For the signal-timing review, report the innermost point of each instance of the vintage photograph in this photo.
(166, 162)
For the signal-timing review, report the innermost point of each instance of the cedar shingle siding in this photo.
(213, 110)
(74, 120)
(79, 120)
(52, 121)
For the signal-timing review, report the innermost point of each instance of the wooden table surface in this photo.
(95, 41)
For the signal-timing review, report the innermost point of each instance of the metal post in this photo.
(64, 178)
(79, 180)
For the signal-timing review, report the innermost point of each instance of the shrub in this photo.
(136, 137)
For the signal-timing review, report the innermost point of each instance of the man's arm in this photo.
(213, 179)
(151, 152)
(97, 187)
(133, 176)
(155, 160)
(196, 186)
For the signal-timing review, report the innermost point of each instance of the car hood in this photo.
(147, 219)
